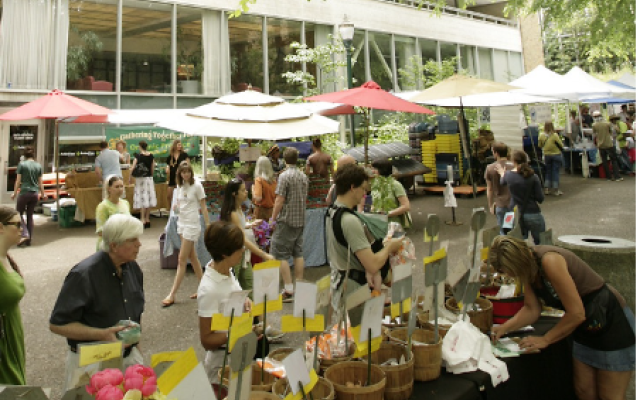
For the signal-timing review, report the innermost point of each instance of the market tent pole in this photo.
(57, 165)
(465, 147)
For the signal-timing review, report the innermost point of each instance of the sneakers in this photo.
(619, 179)
(558, 193)
(286, 296)
(546, 190)
(273, 335)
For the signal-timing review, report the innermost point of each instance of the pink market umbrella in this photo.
(370, 95)
(55, 104)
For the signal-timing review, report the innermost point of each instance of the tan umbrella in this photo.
(459, 86)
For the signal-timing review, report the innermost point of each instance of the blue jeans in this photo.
(533, 223)
(553, 164)
(500, 212)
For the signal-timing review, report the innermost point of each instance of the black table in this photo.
(547, 375)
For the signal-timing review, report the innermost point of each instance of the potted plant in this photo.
(79, 56)
(190, 65)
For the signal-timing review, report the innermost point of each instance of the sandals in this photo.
(194, 296)
(167, 302)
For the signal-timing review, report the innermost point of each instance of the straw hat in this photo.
(272, 150)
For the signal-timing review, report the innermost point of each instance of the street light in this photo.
(347, 31)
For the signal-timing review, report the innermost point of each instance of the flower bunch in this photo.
(137, 383)
(262, 233)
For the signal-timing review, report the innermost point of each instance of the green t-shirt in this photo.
(385, 192)
(106, 209)
(12, 361)
(30, 172)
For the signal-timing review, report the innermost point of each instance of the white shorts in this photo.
(189, 232)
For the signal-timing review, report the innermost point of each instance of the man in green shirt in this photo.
(604, 142)
(28, 183)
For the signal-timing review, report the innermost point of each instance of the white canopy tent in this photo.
(628, 79)
(578, 78)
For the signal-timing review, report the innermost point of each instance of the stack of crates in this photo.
(429, 160)
(448, 152)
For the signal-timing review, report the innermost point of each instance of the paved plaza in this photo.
(588, 206)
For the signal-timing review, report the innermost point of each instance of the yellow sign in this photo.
(91, 354)
(272, 305)
(178, 371)
(167, 356)
(267, 265)
(239, 329)
(324, 283)
(362, 348)
(307, 388)
(484, 253)
(428, 238)
(294, 324)
(438, 255)
(395, 307)
(221, 323)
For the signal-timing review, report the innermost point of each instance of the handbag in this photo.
(140, 171)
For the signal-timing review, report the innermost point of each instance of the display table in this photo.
(573, 159)
(547, 375)
(313, 246)
(87, 199)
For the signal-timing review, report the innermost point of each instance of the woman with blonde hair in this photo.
(112, 203)
(551, 146)
(125, 157)
(190, 203)
(596, 315)
(12, 351)
(264, 189)
(175, 158)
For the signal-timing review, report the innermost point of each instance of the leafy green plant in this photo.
(79, 56)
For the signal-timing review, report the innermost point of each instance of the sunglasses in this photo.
(17, 224)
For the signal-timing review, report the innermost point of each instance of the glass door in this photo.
(16, 136)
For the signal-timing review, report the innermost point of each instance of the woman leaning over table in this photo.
(12, 352)
(604, 343)
(113, 188)
(28, 183)
(144, 193)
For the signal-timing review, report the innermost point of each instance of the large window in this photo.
(91, 53)
(515, 65)
(189, 58)
(486, 63)
(380, 59)
(245, 45)
(407, 61)
(281, 33)
(501, 66)
(146, 47)
(359, 70)
(448, 51)
(468, 59)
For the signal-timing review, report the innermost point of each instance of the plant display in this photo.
(79, 56)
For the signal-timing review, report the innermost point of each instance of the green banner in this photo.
(158, 140)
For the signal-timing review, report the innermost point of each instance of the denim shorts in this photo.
(616, 360)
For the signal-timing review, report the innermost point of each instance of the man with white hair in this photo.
(100, 291)
(604, 141)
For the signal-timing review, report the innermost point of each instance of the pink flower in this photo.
(140, 370)
(109, 393)
(98, 381)
(149, 387)
(114, 376)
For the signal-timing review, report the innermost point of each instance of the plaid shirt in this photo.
(293, 185)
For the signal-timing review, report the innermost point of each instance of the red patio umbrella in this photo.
(370, 95)
(55, 104)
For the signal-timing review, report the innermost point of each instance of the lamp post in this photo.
(346, 32)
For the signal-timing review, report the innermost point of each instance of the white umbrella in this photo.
(251, 115)
(496, 99)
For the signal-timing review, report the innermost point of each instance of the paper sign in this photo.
(323, 295)
(243, 352)
(362, 347)
(428, 238)
(267, 265)
(239, 329)
(305, 299)
(221, 323)
(460, 287)
(358, 297)
(23, 393)
(242, 379)
(432, 228)
(298, 373)
(395, 307)
(294, 324)
(478, 219)
(249, 154)
(439, 254)
(435, 272)
(235, 303)
(195, 386)
(93, 353)
(484, 253)
(401, 290)
(411, 324)
(372, 317)
(182, 367)
(266, 282)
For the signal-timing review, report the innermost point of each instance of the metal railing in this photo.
(427, 6)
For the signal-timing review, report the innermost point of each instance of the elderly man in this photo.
(342, 161)
(100, 291)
